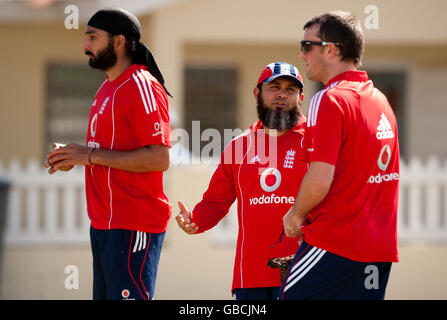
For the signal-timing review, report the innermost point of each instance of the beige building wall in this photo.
(248, 35)
(253, 33)
(426, 100)
(196, 31)
(248, 60)
(29, 48)
(425, 69)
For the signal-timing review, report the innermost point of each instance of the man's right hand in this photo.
(51, 165)
(184, 219)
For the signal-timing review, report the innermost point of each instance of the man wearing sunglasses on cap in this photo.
(349, 195)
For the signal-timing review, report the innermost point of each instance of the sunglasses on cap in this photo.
(306, 45)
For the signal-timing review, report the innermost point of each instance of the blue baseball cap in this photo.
(280, 69)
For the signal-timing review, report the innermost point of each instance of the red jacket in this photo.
(265, 181)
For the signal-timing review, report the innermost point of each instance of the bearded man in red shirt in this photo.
(263, 184)
(126, 152)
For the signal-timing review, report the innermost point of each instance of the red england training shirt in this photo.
(128, 113)
(352, 126)
(265, 181)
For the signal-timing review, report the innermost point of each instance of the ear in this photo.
(120, 41)
(302, 97)
(256, 93)
(333, 50)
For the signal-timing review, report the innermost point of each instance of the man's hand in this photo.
(292, 224)
(64, 157)
(184, 219)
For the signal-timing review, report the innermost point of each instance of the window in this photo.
(210, 97)
(71, 89)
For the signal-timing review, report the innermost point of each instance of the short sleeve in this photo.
(325, 134)
(150, 111)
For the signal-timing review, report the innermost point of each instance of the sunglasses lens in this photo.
(305, 47)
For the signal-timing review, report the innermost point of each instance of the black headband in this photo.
(117, 21)
(120, 21)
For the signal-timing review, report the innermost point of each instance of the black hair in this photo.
(140, 54)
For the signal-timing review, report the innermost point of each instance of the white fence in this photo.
(423, 201)
(44, 209)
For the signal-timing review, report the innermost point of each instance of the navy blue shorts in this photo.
(262, 293)
(125, 263)
(316, 274)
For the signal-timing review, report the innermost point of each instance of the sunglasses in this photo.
(306, 45)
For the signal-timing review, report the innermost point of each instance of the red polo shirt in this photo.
(352, 126)
(128, 113)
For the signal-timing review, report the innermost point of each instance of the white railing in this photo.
(423, 201)
(44, 209)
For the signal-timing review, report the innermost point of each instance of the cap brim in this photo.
(270, 79)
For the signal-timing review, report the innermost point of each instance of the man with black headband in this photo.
(127, 150)
(264, 184)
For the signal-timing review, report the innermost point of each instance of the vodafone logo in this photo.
(125, 293)
(384, 178)
(384, 157)
(270, 179)
(157, 129)
(382, 162)
(272, 199)
(93, 125)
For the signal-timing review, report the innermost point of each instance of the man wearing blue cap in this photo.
(263, 184)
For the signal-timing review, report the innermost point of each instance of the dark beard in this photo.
(275, 119)
(105, 59)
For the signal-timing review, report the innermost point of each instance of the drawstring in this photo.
(279, 240)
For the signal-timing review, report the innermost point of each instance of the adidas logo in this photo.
(384, 130)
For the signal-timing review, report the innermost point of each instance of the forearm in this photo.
(206, 216)
(308, 197)
(146, 159)
(217, 199)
